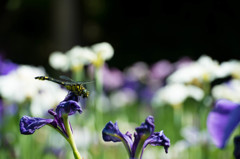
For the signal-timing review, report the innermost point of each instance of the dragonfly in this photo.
(73, 86)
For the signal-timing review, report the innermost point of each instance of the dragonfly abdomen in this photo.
(50, 79)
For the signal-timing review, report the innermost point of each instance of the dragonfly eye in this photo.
(85, 93)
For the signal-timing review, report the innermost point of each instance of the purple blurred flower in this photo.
(161, 69)
(146, 94)
(68, 106)
(222, 121)
(143, 136)
(183, 62)
(6, 66)
(131, 83)
(7, 110)
(112, 78)
(138, 71)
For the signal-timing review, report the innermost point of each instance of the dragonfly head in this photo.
(85, 93)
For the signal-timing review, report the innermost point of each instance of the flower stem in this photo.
(99, 80)
(70, 137)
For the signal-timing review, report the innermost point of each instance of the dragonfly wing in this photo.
(66, 78)
(85, 82)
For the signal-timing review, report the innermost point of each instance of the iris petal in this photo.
(111, 133)
(68, 107)
(143, 136)
(147, 127)
(142, 133)
(71, 96)
(28, 125)
(158, 139)
(222, 120)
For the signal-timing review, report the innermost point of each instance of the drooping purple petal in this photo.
(111, 133)
(158, 139)
(28, 125)
(222, 120)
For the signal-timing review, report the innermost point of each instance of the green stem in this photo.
(70, 138)
(99, 80)
(78, 75)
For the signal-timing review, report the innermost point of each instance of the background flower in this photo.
(222, 120)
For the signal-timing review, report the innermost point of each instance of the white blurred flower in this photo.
(138, 71)
(175, 94)
(59, 61)
(48, 96)
(105, 103)
(229, 90)
(193, 136)
(19, 85)
(80, 56)
(103, 51)
(203, 70)
(231, 67)
(122, 97)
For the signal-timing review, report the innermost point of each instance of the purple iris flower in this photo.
(222, 121)
(143, 136)
(68, 106)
